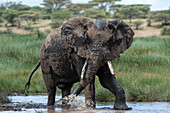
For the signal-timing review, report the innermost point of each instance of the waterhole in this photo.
(37, 104)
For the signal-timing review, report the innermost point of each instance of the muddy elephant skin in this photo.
(79, 50)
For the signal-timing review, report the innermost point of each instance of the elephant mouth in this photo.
(109, 63)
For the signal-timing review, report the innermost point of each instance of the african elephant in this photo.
(79, 50)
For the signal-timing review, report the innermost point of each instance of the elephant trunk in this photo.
(89, 70)
(94, 61)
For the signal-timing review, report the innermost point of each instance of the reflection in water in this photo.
(77, 106)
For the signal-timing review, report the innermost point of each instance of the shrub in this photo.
(56, 24)
(26, 27)
(137, 24)
(148, 22)
(1, 20)
(40, 35)
(8, 31)
(3, 97)
(165, 30)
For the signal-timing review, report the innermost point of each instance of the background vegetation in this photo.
(143, 70)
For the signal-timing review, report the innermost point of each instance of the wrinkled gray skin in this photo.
(80, 40)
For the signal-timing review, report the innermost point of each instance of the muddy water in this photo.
(37, 103)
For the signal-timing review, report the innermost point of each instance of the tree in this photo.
(78, 8)
(54, 5)
(115, 9)
(6, 5)
(94, 13)
(104, 4)
(144, 8)
(30, 16)
(19, 7)
(161, 16)
(10, 15)
(37, 9)
(129, 12)
(58, 17)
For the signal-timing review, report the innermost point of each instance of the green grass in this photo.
(18, 56)
(143, 70)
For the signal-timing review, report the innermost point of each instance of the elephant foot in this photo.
(51, 107)
(90, 104)
(121, 106)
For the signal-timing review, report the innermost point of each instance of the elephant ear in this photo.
(123, 38)
(74, 32)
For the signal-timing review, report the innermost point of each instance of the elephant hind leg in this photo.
(49, 79)
(109, 82)
(66, 90)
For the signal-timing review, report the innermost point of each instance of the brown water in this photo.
(37, 103)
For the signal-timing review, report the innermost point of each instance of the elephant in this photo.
(80, 49)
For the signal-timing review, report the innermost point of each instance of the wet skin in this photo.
(78, 51)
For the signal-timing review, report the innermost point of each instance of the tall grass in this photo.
(143, 70)
(18, 56)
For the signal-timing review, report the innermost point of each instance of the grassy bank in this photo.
(143, 70)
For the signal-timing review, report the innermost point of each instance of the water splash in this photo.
(71, 102)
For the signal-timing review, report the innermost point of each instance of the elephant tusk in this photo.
(83, 69)
(110, 67)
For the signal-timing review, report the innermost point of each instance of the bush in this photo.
(1, 20)
(3, 97)
(137, 24)
(56, 24)
(26, 27)
(46, 17)
(165, 30)
(8, 31)
(40, 35)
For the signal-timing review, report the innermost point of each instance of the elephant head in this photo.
(98, 41)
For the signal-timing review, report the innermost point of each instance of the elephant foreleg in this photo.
(90, 95)
(66, 90)
(109, 81)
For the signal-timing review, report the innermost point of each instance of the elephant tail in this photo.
(27, 85)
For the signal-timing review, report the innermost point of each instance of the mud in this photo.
(37, 103)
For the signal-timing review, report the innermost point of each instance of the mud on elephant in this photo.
(79, 50)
